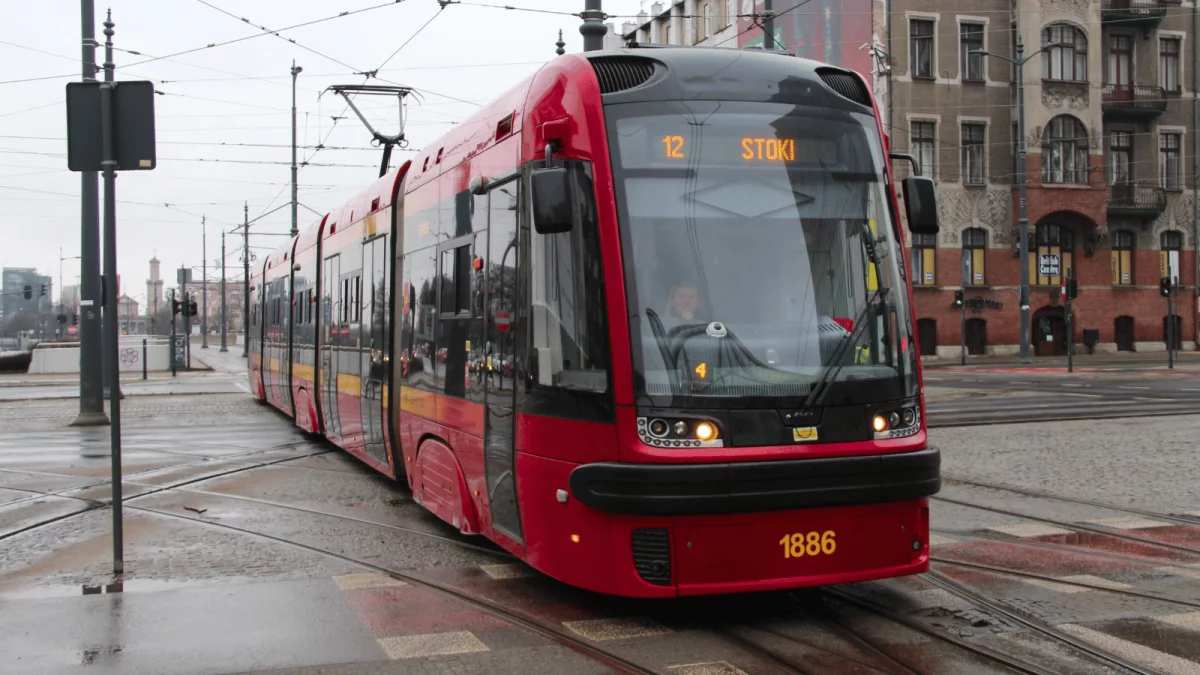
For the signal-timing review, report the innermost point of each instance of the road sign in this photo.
(503, 321)
(1049, 265)
(132, 126)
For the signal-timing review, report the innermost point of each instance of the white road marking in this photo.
(1056, 587)
(1190, 621)
(1128, 523)
(941, 540)
(1180, 572)
(1189, 390)
(354, 582)
(1029, 530)
(709, 668)
(1097, 581)
(1123, 386)
(1166, 663)
(242, 386)
(601, 630)
(432, 644)
(508, 571)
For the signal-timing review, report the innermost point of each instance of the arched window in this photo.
(1065, 151)
(1172, 244)
(1122, 258)
(1068, 62)
(1052, 240)
(974, 242)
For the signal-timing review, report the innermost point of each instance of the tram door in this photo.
(373, 368)
(499, 350)
(330, 308)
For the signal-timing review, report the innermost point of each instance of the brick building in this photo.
(1110, 186)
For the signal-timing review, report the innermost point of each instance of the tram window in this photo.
(455, 281)
(569, 321)
(358, 299)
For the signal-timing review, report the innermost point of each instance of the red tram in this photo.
(643, 321)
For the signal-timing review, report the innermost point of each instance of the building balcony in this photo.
(1137, 200)
(1132, 101)
(1135, 12)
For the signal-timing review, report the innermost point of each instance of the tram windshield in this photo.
(760, 255)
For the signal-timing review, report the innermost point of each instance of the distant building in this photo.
(154, 289)
(234, 298)
(126, 307)
(18, 313)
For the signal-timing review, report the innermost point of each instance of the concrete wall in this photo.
(65, 359)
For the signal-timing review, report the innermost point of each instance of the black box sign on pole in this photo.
(133, 126)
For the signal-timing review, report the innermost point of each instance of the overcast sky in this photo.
(241, 93)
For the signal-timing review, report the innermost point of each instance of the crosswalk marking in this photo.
(355, 582)
(601, 630)
(1128, 523)
(709, 668)
(432, 644)
(1166, 663)
(1190, 620)
(1025, 530)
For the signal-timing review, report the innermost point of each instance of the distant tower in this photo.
(560, 44)
(154, 289)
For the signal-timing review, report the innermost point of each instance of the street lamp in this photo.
(1023, 293)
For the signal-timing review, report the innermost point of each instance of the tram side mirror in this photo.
(553, 210)
(920, 204)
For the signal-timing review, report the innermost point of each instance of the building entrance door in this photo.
(1049, 332)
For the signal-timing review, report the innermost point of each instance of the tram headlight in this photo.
(659, 428)
(675, 432)
(896, 423)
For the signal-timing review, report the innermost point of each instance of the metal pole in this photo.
(592, 29)
(91, 376)
(109, 164)
(769, 27)
(295, 71)
(1195, 174)
(224, 312)
(1070, 326)
(1022, 177)
(204, 283)
(145, 367)
(172, 347)
(246, 281)
(1170, 332)
(187, 318)
(962, 323)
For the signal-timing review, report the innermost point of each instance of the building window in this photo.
(1065, 151)
(1168, 64)
(972, 153)
(1122, 258)
(974, 244)
(922, 146)
(705, 26)
(1068, 62)
(1168, 161)
(1172, 243)
(920, 47)
(924, 247)
(1121, 162)
(970, 36)
(1120, 65)
(1052, 240)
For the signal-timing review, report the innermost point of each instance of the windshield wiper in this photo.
(664, 347)
(837, 361)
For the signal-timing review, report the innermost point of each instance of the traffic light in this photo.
(28, 291)
(62, 318)
(74, 318)
(43, 290)
(174, 307)
(958, 298)
(1164, 287)
(1072, 288)
(192, 308)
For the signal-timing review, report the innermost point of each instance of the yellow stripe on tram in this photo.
(350, 385)
(302, 371)
(872, 275)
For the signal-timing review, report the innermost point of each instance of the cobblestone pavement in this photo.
(250, 547)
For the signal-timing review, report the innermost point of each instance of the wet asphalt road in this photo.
(1065, 547)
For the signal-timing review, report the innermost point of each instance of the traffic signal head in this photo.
(43, 290)
(192, 309)
(174, 307)
(1072, 288)
(958, 298)
(1164, 286)
(28, 291)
